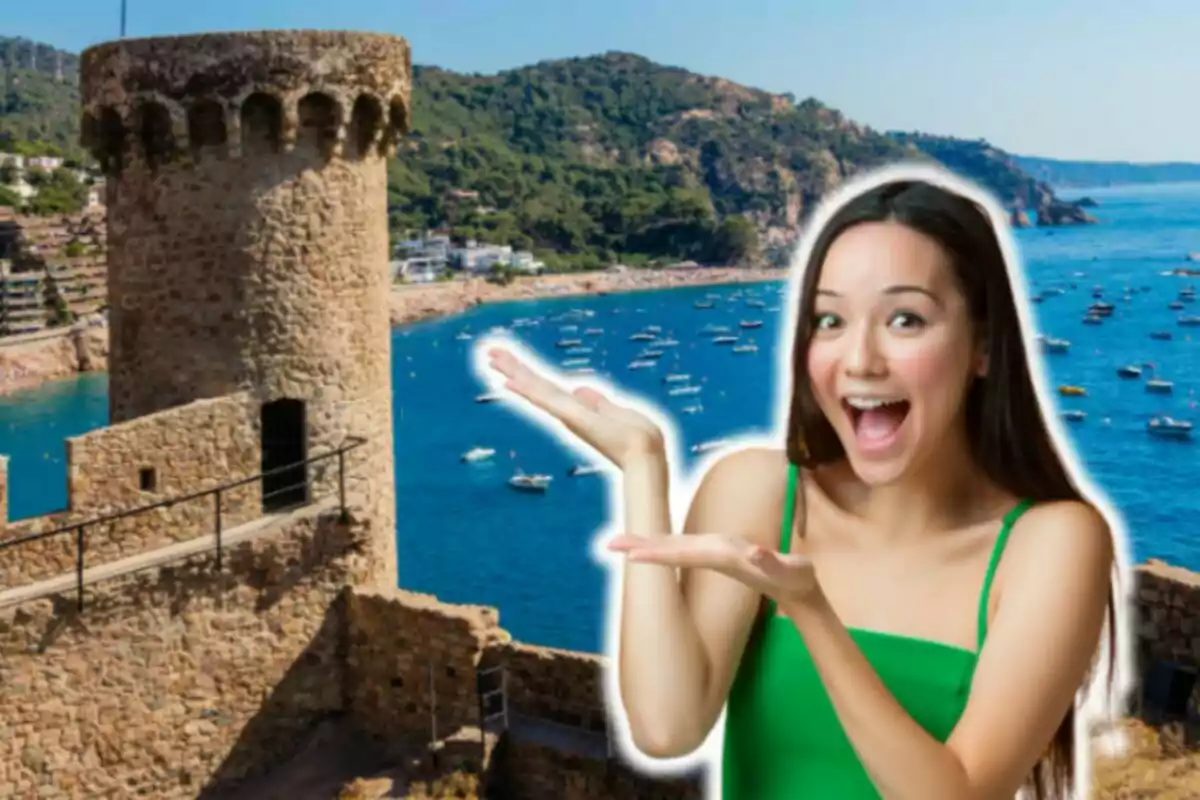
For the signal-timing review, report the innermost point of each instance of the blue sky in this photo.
(1079, 79)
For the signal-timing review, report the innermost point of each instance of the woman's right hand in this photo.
(619, 434)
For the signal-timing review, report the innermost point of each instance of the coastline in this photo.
(29, 361)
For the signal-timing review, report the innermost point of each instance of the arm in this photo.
(1037, 654)
(681, 640)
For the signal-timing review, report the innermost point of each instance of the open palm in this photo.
(619, 434)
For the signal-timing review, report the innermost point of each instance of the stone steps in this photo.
(66, 583)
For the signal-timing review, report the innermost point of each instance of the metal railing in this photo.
(79, 529)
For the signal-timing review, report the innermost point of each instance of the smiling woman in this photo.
(906, 597)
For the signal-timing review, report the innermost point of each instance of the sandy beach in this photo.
(28, 361)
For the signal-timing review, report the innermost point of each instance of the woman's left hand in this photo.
(787, 578)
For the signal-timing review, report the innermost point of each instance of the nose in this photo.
(863, 357)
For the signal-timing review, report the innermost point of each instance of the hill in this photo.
(39, 106)
(598, 159)
(1061, 173)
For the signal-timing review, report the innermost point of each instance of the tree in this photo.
(735, 241)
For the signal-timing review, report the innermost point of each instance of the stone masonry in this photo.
(247, 220)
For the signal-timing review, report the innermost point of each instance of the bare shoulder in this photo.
(1061, 538)
(741, 492)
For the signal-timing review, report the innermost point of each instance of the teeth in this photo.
(868, 403)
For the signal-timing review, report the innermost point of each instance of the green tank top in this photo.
(783, 738)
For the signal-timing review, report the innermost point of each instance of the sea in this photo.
(466, 536)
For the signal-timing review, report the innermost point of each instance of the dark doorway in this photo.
(284, 449)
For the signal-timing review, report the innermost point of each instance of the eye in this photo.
(825, 322)
(906, 320)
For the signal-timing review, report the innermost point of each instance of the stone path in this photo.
(67, 582)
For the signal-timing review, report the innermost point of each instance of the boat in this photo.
(1166, 427)
(568, 342)
(487, 397)
(643, 336)
(642, 363)
(756, 304)
(649, 353)
(576, 362)
(666, 343)
(582, 371)
(682, 390)
(1093, 319)
(750, 323)
(676, 377)
(1159, 386)
(1189, 320)
(1175, 305)
(1101, 309)
(579, 351)
(1160, 336)
(1053, 345)
(1074, 415)
(704, 447)
(749, 347)
(463, 336)
(724, 339)
(692, 409)
(529, 483)
(713, 330)
(593, 332)
(1129, 371)
(702, 304)
(1066, 390)
(478, 454)
(582, 469)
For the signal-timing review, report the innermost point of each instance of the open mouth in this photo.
(876, 420)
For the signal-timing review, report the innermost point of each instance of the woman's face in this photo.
(892, 349)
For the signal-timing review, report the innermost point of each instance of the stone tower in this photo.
(247, 236)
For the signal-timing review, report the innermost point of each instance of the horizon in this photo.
(1067, 97)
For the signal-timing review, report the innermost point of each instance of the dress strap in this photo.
(789, 509)
(785, 530)
(997, 550)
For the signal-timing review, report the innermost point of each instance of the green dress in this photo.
(783, 738)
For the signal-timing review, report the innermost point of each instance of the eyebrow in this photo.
(901, 288)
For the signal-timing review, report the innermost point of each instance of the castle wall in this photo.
(188, 449)
(174, 680)
(1167, 610)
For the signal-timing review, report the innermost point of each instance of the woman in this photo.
(905, 599)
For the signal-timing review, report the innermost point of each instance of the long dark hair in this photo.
(1007, 430)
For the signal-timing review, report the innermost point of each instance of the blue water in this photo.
(465, 536)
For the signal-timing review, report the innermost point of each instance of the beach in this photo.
(30, 360)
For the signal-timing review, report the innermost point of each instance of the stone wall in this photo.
(1167, 614)
(176, 681)
(178, 452)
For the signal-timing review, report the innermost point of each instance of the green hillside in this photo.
(596, 159)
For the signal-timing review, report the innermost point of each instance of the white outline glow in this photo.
(1092, 706)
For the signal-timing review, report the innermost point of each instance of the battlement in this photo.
(234, 95)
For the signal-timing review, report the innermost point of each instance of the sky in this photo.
(1072, 79)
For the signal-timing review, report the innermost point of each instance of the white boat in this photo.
(692, 409)
(750, 323)
(679, 391)
(463, 336)
(1168, 428)
(582, 371)
(668, 342)
(704, 447)
(529, 483)
(643, 336)
(642, 363)
(1130, 371)
(677, 377)
(487, 397)
(593, 332)
(1189, 321)
(478, 454)
(1159, 386)
(1052, 345)
(579, 351)
(569, 342)
(583, 469)
(749, 347)
(724, 339)
(576, 362)
(1074, 415)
